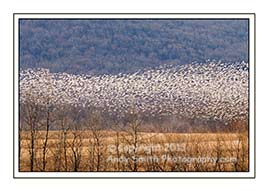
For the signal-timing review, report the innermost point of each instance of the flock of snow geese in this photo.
(211, 90)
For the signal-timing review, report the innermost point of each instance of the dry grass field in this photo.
(109, 151)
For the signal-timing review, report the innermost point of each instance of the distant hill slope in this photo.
(114, 46)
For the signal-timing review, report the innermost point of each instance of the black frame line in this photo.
(138, 177)
(250, 13)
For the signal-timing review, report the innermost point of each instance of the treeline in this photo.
(72, 139)
(114, 46)
(52, 116)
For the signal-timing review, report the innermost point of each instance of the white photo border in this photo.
(252, 93)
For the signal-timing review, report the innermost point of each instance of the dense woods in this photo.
(114, 46)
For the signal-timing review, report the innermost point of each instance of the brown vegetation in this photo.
(72, 140)
(98, 150)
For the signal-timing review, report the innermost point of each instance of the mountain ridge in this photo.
(122, 46)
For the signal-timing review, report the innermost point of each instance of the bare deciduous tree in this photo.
(31, 116)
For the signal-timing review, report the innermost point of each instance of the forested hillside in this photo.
(116, 46)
